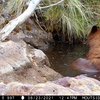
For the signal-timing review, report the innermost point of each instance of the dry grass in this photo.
(15, 6)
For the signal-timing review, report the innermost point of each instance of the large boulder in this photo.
(79, 85)
(21, 62)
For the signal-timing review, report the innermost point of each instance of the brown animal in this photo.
(92, 62)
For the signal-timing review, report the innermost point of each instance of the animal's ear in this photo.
(94, 29)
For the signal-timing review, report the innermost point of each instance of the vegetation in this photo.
(70, 20)
(15, 6)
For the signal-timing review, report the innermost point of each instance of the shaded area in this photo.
(61, 54)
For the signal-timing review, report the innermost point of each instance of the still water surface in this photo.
(61, 54)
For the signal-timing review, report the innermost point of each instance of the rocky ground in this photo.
(25, 69)
(22, 63)
(79, 85)
(29, 32)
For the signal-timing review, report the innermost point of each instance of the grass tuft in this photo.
(73, 17)
(70, 20)
(15, 6)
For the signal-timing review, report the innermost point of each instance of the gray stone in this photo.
(21, 62)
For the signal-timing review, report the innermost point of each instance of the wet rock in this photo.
(22, 63)
(84, 65)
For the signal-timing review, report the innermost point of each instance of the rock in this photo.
(84, 65)
(18, 88)
(3, 89)
(32, 35)
(12, 56)
(29, 32)
(50, 89)
(22, 63)
(37, 55)
(2, 20)
(79, 85)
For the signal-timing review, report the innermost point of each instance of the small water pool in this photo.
(61, 54)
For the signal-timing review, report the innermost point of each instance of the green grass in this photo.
(72, 19)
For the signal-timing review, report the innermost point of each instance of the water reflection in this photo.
(62, 54)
